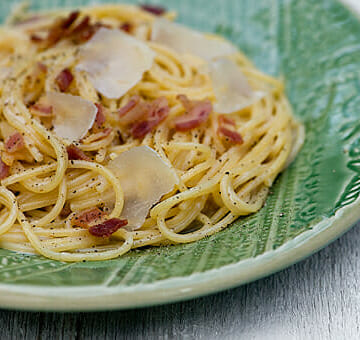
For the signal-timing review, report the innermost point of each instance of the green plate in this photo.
(315, 46)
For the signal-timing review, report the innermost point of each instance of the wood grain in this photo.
(318, 298)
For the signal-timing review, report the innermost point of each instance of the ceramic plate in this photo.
(315, 46)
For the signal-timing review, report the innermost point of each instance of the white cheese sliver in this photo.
(114, 61)
(232, 89)
(74, 116)
(144, 178)
(187, 41)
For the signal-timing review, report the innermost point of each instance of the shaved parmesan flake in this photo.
(74, 116)
(145, 178)
(232, 89)
(187, 41)
(114, 61)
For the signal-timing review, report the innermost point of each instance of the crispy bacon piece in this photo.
(83, 31)
(143, 116)
(14, 143)
(153, 9)
(126, 27)
(67, 22)
(97, 136)
(60, 28)
(197, 112)
(64, 79)
(65, 211)
(74, 153)
(107, 228)
(88, 217)
(227, 130)
(4, 170)
(158, 110)
(231, 135)
(35, 38)
(132, 111)
(100, 116)
(42, 110)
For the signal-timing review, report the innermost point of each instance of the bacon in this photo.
(67, 22)
(126, 27)
(14, 143)
(231, 135)
(83, 31)
(60, 28)
(74, 153)
(100, 116)
(35, 38)
(157, 112)
(226, 121)
(87, 217)
(132, 111)
(107, 228)
(227, 130)
(153, 9)
(65, 211)
(197, 112)
(64, 79)
(97, 136)
(4, 170)
(42, 110)
(143, 116)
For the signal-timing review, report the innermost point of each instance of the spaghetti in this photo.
(62, 199)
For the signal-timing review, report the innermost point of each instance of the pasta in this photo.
(63, 197)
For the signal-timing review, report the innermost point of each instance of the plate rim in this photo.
(89, 298)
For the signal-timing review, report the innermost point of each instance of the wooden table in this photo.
(318, 298)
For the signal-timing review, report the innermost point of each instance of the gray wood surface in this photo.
(318, 298)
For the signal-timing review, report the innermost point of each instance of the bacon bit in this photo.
(60, 28)
(67, 22)
(127, 113)
(233, 136)
(100, 116)
(126, 27)
(65, 211)
(14, 143)
(227, 129)
(106, 132)
(197, 112)
(153, 9)
(157, 112)
(4, 170)
(74, 153)
(42, 110)
(64, 79)
(97, 136)
(226, 121)
(83, 31)
(88, 217)
(144, 116)
(35, 38)
(107, 228)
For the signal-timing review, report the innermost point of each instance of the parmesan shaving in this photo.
(232, 89)
(114, 61)
(144, 178)
(187, 41)
(74, 116)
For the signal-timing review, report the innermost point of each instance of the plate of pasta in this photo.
(149, 154)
